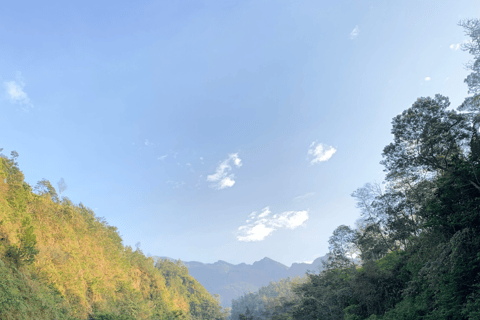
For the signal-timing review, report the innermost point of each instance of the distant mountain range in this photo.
(231, 281)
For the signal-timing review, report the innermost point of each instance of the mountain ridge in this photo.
(231, 281)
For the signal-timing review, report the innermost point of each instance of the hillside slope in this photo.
(58, 260)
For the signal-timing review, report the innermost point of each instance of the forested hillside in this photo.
(59, 261)
(418, 235)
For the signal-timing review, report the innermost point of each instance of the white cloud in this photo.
(265, 212)
(223, 178)
(320, 152)
(256, 232)
(189, 165)
(355, 32)
(175, 184)
(148, 143)
(162, 157)
(261, 225)
(226, 183)
(428, 79)
(306, 195)
(15, 92)
(455, 46)
(305, 261)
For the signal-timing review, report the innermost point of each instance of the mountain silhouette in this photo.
(231, 281)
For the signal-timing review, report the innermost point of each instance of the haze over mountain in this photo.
(231, 281)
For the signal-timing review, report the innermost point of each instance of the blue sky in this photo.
(220, 130)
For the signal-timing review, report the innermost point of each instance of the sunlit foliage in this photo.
(59, 260)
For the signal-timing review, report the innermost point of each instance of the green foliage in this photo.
(110, 316)
(25, 252)
(273, 301)
(23, 296)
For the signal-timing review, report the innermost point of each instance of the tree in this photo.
(342, 248)
(418, 236)
(62, 186)
(247, 316)
(372, 239)
(428, 139)
(14, 157)
(44, 187)
(472, 29)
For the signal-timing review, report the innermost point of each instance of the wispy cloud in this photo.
(305, 261)
(304, 196)
(169, 153)
(223, 178)
(355, 32)
(427, 79)
(319, 152)
(455, 46)
(261, 225)
(148, 143)
(175, 184)
(15, 92)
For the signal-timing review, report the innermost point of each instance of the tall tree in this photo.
(472, 29)
(342, 248)
(428, 139)
(44, 187)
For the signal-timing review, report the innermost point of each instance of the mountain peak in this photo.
(270, 263)
(222, 263)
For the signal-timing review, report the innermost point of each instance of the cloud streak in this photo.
(320, 152)
(175, 184)
(306, 195)
(261, 225)
(223, 177)
(355, 32)
(455, 46)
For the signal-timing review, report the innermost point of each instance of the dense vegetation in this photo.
(59, 261)
(415, 251)
(268, 302)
